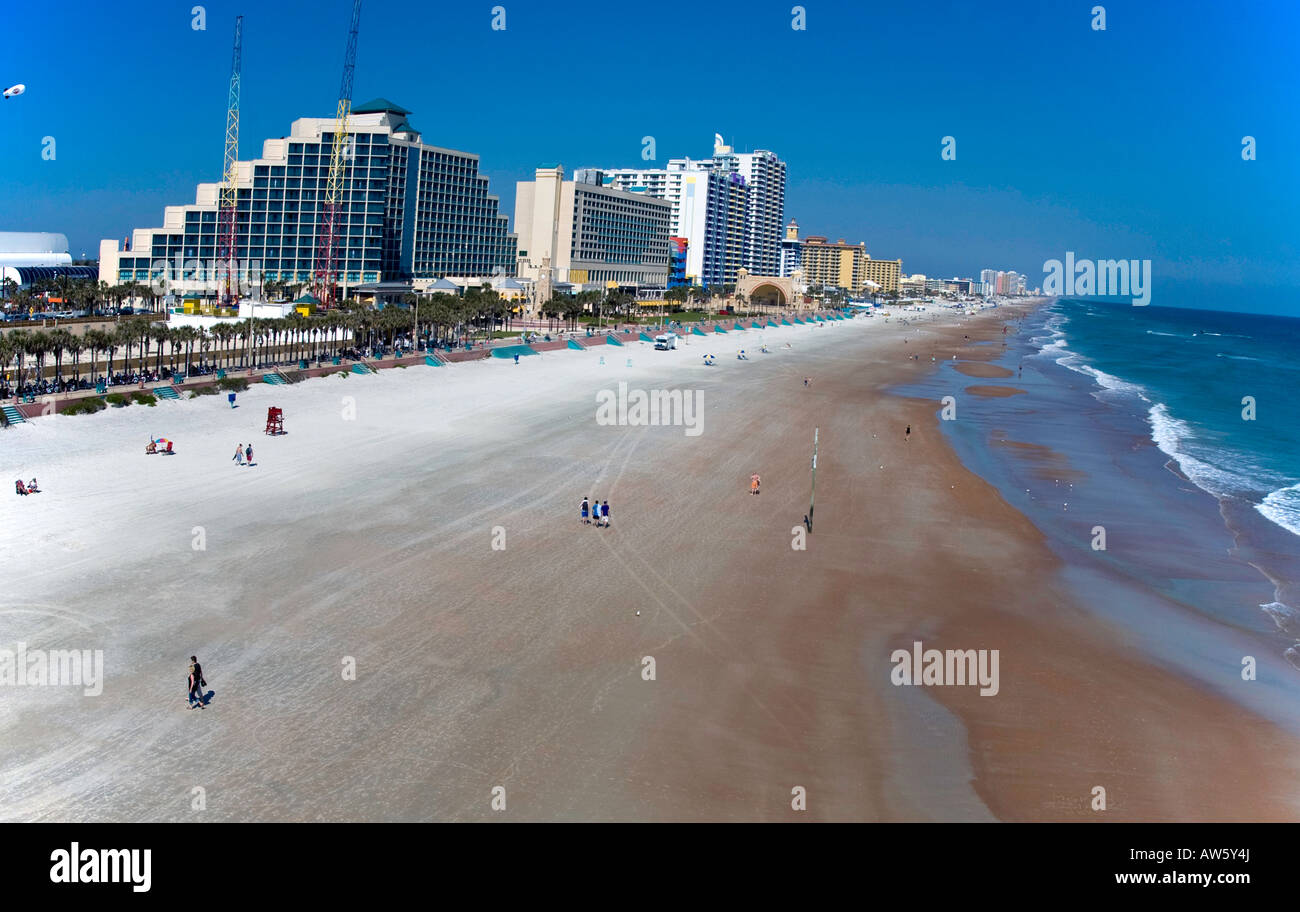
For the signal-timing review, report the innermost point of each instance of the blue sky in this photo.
(1123, 143)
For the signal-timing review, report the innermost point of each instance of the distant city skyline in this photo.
(1123, 143)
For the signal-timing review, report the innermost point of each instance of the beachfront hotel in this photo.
(730, 208)
(586, 232)
(791, 250)
(409, 211)
(847, 266)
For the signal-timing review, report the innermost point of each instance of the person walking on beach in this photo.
(239, 454)
(907, 435)
(753, 484)
(604, 513)
(248, 454)
(595, 511)
(585, 521)
(196, 683)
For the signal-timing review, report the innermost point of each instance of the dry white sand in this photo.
(370, 538)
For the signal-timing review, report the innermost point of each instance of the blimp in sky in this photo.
(15, 90)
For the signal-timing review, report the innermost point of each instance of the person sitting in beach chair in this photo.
(32, 487)
(18, 487)
(151, 448)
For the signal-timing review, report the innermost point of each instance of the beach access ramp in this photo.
(510, 351)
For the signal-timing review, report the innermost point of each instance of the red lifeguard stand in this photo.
(274, 420)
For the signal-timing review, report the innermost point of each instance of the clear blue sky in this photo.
(1122, 143)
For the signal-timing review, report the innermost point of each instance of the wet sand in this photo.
(999, 392)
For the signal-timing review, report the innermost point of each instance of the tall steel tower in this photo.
(227, 221)
(329, 237)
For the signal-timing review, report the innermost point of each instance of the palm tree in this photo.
(95, 340)
(76, 345)
(57, 342)
(6, 355)
(37, 345)
(18, 342)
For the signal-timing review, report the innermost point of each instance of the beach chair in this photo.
(221, 374)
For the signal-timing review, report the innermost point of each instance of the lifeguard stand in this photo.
(274, 420)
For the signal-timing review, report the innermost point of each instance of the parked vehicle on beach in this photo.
(666, 341)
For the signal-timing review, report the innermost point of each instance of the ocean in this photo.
(1191, 371)
(1158, 451)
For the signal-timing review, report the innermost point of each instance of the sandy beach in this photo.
(421, 525)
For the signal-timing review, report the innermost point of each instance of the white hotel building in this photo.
(730, 208)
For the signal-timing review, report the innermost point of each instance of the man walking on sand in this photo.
(248, 454)
(196, 683)
(239, 454)
(907, 435)
(604, 513)
(585, 521)
(753, 484)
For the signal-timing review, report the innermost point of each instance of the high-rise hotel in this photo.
(584, 232)
(408, 210)
(730, 209)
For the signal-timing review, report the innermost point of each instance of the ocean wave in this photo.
(1152, 332)
(1237, 357)
(1286, 617)
(1282, 507)
(1172, 436)
(1108, 382)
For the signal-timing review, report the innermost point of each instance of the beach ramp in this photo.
(510, 351)
(754, 325)
(645, 338)
(800, 322)
(166, 392)
(696, 331)
(434, 362)
(12, 415)
(360, 368)
(573, 343)
(274, 379)
(718, 329)
(612, 341)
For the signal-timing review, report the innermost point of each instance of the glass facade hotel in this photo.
(409, 210)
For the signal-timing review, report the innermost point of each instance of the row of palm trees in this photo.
(140, 343)
(78, 294)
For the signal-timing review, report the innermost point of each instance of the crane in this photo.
(328, 239)
(227, 210)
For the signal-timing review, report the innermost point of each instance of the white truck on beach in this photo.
(666, 341)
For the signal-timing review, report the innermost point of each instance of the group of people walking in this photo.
(243, 454)
(595, 511)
